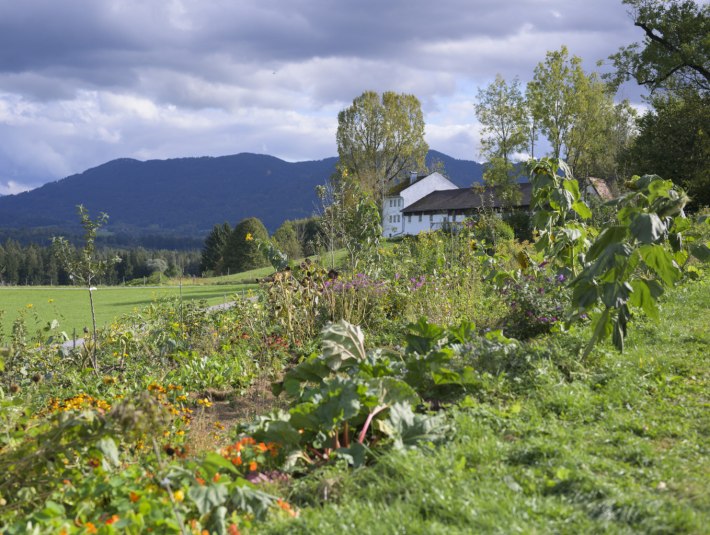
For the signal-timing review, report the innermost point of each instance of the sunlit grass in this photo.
(617, 446)
(70, 305)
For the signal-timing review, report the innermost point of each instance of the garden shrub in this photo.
(536, 301)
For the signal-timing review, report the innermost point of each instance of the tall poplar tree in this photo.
(381, 137)
(501, 111)
(573, 109)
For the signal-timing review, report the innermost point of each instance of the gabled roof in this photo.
(398, 188)
(407, 183)
(465, 199)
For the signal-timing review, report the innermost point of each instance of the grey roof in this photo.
(465, 199)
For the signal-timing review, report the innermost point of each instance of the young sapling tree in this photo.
(83, 266)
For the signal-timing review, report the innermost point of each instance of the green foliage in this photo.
(287, 240)
(83, 266)
(630, 263)
(575, 111)
(350, 218)
(537, 301)
(500, 109)
(242, 251)
(380, 137)
(213, 250)
(556, 203)
(675, 50)
(674, 141)
(492, 229)
(340, 397)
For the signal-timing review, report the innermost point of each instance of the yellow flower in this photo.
(249, 237)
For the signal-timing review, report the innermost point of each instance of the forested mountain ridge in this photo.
(184, 197)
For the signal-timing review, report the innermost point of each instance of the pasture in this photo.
(41, 305)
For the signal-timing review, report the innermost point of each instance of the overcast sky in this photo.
(86, 81)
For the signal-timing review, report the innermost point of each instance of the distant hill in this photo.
(158, 202)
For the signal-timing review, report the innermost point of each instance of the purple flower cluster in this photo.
(417, 283)
(360, 282)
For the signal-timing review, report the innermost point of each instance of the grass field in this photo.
(617, 444)
(70, 306)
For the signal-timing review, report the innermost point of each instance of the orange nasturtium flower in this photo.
(285, 506)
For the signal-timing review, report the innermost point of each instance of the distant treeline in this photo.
(36, 265)
(121, 238)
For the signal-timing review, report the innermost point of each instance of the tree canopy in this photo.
(675, 52)
(575, 110)
(380, 137)
(500, 108)
(674, 142)
(213, 250)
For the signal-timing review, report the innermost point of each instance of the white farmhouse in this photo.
(441, 208)
(406, 194)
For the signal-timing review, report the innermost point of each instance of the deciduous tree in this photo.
(675, 52)
(674, 140)
(573, 109)
(501, 111)
(380, 137)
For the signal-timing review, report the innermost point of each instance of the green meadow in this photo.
(70, 305)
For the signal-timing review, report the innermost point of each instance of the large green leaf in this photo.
(585, 293)
(355, 455)
(276, 428)
(616, 294)
(214, 462)
(389, 390)
(311, 370)
(582, 209)
(407, 429)
(607, 237)
(660, 262)
(340, 402)
(647, 228)
(342, 342)
(423, 336)
(601, 328)
(207, 497)
(250, 500)
(641, 297)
